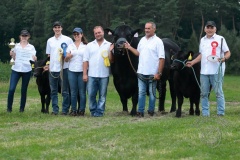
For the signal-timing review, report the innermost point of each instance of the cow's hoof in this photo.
(172, 110)
(191, 112)
(178, 114)
(133, 113)
(197, 113)
(163, 112)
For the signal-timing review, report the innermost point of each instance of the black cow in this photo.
(171, 49)
(42, 81)
(186, 82)
(125, 66)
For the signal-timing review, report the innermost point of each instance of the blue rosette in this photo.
(64, 47)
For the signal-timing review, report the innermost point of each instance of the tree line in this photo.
(181, 20)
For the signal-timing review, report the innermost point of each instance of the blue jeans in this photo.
(216, 82)
(143, 85)
(15, 76)
(54, 81)
(77, 85)
(94, 85)
(65, 92)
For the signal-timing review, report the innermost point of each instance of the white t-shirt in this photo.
(96, 61)
(76, 62)
(205, 48)
(53, 45)
(150, 51)
(23, 56)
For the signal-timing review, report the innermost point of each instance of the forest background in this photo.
(181, 20)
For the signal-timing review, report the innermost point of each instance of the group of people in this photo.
(83, 69)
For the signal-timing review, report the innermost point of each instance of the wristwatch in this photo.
(159, 73)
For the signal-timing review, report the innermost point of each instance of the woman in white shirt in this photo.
(75, 53)
(22, 53)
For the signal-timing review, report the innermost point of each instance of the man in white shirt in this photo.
(213, 54)
(53, 49)
(96, 72)
(151, 62)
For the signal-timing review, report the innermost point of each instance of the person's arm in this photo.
(133, 50)
(110, 55)
(85, 70)
(226, 56)
(160, 69)
(68, 57)
(12, 54)
(196, 60)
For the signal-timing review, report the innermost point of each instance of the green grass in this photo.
(33, 135)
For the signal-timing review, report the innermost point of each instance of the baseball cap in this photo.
(211, 23)
(57, 23)
(24, 32)
(78, 30)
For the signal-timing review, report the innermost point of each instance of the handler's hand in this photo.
(189, 64)
(127, 45)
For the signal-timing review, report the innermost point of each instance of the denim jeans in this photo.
(216, 82)
(77, 88)
(94, 85)
(54, 81)
(15, 76)
(143, 85)
(65, 92)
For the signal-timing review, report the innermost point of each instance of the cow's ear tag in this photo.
(48, 62)
(190, 57)
(109, 33)
(136, 34)
(32, 65)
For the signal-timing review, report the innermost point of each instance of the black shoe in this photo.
(151, 113)
(81, 113)
(9, 110)
(220, 115)
(63, 114)
(21, 110)
(140, 114)
(73, 113)
(54, 114)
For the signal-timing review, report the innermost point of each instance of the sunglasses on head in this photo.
(24, 35)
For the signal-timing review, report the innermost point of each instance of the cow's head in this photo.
(180, 59)
(38, 66)
(121, 34)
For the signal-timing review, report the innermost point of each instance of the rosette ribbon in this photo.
(213, 57)
(105, 57)
(64, 47)
(60, 53)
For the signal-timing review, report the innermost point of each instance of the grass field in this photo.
(33, 135)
